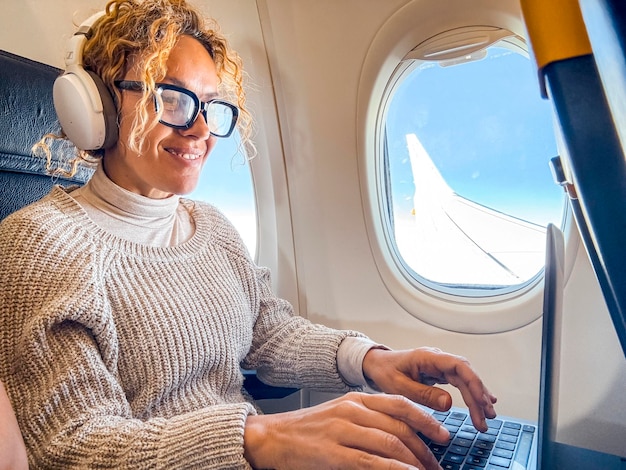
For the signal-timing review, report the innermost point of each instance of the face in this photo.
(171, 159)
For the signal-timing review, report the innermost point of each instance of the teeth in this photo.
(186, 156)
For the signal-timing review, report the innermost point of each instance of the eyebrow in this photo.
(177, 82)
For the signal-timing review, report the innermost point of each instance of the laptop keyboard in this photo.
(504, 444)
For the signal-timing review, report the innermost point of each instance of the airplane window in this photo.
(226, 182)
(469, 188)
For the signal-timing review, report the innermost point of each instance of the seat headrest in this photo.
(27, 113)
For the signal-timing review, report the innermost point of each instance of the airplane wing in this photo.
(452, 240)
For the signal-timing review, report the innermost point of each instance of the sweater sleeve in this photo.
(58, 359)
(291, 351)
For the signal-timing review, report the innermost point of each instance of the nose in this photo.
(200, 128)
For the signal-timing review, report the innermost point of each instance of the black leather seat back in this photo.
(26, 114)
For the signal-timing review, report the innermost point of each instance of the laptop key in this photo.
(438, 449)
(486, 437)
(510, 431)
(465, 435)
(483, 445)
(476, 461)
(507, 454)
(507, 438)
(452, 429)
(460, 450)
(459, 441)
(478, 452)
(494, 423)
(500, 462)
(453, 458)
(523, 449)
(509, 424)
(469, 429)
(453, 422)
(505, 445)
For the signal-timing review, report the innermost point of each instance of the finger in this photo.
(432, 397)
(396, 445)
(352, 455)
(359, 460)
(402, 409)
(378, 426)
(457, 371)
(475, 395)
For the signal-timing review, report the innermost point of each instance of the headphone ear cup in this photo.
(85, 109)
(109, 112)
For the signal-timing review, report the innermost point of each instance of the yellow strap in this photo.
(556, 31)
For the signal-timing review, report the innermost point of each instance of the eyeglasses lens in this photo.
(219, 118)
(180, 110)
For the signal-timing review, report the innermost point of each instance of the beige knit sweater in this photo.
(120, 355)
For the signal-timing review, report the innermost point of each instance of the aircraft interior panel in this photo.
(318, 73)
(592, 368)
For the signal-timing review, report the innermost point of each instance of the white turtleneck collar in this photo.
(155, 222)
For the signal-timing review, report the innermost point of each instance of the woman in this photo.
(129, 310)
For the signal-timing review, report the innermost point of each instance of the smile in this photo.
(186, 156)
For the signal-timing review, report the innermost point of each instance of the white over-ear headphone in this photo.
(84, 106)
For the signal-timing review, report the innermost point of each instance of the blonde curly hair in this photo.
(149, 29)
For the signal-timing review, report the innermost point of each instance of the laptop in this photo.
(518, 444)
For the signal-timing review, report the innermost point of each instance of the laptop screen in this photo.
(550, 344)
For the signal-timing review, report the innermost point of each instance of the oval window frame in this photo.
(399, 38)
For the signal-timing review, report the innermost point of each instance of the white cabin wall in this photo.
(317, 57)
(592, 377)
(40, 29)
(316, 51)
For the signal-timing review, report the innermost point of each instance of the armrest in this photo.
(261, 391)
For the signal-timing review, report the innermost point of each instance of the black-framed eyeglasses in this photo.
(180, 107)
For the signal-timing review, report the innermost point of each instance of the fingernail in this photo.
(443, 402)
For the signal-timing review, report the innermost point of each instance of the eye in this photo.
(171, 101)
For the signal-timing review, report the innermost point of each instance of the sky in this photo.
(487, 130)
(226, 182)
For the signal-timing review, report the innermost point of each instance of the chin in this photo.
(185, 190)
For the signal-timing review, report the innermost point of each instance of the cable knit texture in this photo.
(120, 355)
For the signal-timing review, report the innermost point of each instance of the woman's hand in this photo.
(355, 431)
(12, 450)
(412, 373)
